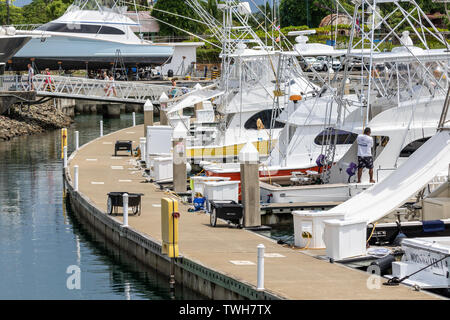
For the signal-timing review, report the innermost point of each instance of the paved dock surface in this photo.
(288, 273)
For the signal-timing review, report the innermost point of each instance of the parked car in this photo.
(309, 63)
(329, 62)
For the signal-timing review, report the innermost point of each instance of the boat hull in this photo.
(76, 53)
(9, 45)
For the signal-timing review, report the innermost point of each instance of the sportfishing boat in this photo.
(90, 35)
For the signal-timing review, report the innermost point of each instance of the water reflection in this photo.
(39, 237)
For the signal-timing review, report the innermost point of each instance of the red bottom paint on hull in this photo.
(236, 175)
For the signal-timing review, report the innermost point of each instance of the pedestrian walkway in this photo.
(90, 89)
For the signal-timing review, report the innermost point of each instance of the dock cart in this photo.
(228, 210)
(115, 200)
(123, 145)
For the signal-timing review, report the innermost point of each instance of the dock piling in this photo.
(146, 156)
(101, 128)
(77, 140)
(179, 158)
(249, 158)
(65, 156)
(260, 283)
(75, 178)
(125, 209)
(134, 119)
(142, 146)
(148, 115)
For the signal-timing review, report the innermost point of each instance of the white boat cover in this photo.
(413, 175)
(194, 98)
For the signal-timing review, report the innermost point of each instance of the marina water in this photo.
(40, 238)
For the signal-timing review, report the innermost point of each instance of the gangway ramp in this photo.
(93, 89)
(412, 176)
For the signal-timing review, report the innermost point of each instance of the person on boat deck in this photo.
(365, 159)
(173, 92)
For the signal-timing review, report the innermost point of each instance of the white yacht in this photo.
(93, 36)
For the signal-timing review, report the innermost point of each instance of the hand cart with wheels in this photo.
(115, 200)
(123, 145)
(228, 210)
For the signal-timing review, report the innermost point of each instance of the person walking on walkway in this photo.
(112, 85)
(30, 77)
(365, 159)
(48, 80)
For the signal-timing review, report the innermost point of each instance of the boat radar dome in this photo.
(240, 47)
(406, 39)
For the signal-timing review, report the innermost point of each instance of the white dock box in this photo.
(162, 168)
(311, 223)
(198, 182)
(345, 238)
(160, 139)
(221, 190)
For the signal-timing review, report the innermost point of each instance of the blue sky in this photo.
(21, 3)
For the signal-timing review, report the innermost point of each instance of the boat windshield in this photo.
(343, 137)
(79, 28)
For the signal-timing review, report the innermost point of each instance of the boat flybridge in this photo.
(90, 34)
(239, 107)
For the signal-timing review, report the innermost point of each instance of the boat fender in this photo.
(351, 170)
(384, 263)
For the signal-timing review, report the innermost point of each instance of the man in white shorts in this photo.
(365, 159)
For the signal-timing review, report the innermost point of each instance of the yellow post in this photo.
(63, 141)
(169, 227)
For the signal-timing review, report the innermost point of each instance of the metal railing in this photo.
(90, 89)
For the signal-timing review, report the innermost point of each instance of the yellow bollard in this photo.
(63, 141)
(169, 227)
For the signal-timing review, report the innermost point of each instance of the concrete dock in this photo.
(289, 273)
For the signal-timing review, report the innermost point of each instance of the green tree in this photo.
(15, 14)
(180, 8)
(309, 12)
(302, 12)
(35, 12)
(56, 8)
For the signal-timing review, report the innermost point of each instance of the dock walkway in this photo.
(289, 273)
